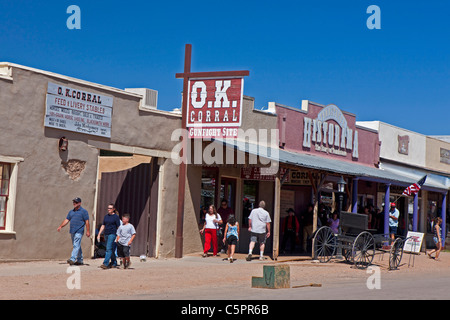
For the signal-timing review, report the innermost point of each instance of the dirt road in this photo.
(191, 277)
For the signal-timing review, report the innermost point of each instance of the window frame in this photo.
(6, 195)
(8, 227)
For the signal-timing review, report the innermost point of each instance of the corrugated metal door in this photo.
(133, 191)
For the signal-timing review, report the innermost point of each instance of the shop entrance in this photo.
(296, 227)
(228, 192)
(133, 191)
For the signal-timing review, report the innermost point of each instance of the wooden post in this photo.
(387, 207)
(276, 218)
(186, 75)
(316, 189)
(182, 169)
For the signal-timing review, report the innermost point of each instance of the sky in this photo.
(321, 51)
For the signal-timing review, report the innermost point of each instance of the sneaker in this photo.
(104, 266)
(78, 263)
(71, 262)
(231, 260)
(249, 257)
(261, 258)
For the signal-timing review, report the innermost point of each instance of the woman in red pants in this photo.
(210, 227)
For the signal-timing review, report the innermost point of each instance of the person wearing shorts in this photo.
(258, 221)
(125, 236)
(437, 238)
(231, 236)
(393, 220)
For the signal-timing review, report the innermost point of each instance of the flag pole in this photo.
(395, 201)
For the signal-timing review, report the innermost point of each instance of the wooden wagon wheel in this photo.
(396, 254)
(324, 244)
(363, 250)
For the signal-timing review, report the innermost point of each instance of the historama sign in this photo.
(330, 133)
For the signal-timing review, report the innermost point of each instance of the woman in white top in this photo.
(212, 222)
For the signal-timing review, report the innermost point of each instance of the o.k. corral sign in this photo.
(214, 107)
(79, 111)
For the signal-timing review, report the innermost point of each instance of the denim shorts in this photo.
(436, 240)
(393, 230)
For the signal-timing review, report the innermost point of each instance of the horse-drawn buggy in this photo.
(356, 242)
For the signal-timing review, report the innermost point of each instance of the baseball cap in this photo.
(392, 204)
(77, 200)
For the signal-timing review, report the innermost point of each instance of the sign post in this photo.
(413, 242)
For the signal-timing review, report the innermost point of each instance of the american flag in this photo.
(415, 187)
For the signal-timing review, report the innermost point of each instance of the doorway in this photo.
(133, 191)
(228, 192)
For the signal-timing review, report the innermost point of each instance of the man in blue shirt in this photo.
(78, 218)
(111, 222)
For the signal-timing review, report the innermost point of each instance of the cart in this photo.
(356, 242)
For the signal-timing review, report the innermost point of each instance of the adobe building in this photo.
(56, 133)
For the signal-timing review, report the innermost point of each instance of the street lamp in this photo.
(341, 185)
(63, 144)
(341, 190)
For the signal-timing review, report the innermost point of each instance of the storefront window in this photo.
(432, 213)
(228, 192)
(208, 190)
(433, 209)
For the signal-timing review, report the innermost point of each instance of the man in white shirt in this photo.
(258, 221)
(394, 214)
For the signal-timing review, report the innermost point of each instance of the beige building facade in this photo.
(415, 155)
(39, 180)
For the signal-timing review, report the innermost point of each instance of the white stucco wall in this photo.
(388, 135)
